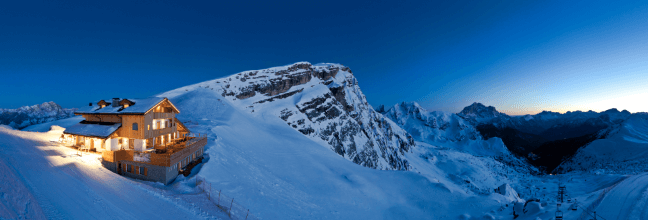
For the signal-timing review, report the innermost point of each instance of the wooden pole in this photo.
(248, 213)
(219, 192)
(230, 211)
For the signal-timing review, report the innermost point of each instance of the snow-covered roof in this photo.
(93, 129)
(140, 107)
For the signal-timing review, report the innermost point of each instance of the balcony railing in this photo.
(162, 115)
(173, 153)
(158, 132)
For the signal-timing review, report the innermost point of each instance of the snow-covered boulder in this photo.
(507, 191)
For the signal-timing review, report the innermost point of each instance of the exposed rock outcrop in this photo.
(323, 102)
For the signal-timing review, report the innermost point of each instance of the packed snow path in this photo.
(42, 180)
(627, 200)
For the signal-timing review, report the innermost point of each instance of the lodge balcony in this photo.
(162, 115)
(161, 155)
(160, 131)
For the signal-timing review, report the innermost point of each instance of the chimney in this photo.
(115, 102)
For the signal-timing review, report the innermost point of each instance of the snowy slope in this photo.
(39, 180)
(280, 173)
(323, 102)
(36, 114)
(627, 200)
(44, 127)
(624, 150)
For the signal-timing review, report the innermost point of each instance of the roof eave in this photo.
(103, 113)
(165, 99)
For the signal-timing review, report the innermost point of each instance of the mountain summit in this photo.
(323, 102)
(479, 113)
(431, 127)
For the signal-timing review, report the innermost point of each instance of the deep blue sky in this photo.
(518, 56)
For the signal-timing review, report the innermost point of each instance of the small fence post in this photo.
(248, 213)
(230, 211)
(219, 192)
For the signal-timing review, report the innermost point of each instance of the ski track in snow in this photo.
(627, 200)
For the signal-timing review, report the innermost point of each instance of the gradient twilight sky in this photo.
(519, 56)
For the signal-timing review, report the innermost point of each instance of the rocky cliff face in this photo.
(36, 114)
(323, 102)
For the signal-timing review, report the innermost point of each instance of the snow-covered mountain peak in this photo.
(323, 102)
(478, 113)
(431, 127)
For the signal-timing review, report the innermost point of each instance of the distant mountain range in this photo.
(546, 138)
(36, 114)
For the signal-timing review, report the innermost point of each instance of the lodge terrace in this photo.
(138, 138)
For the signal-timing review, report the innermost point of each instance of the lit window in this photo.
(148, 127)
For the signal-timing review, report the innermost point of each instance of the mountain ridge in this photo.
(36, 114)
(323, 102)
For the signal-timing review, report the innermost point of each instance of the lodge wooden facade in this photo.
(139, 138)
